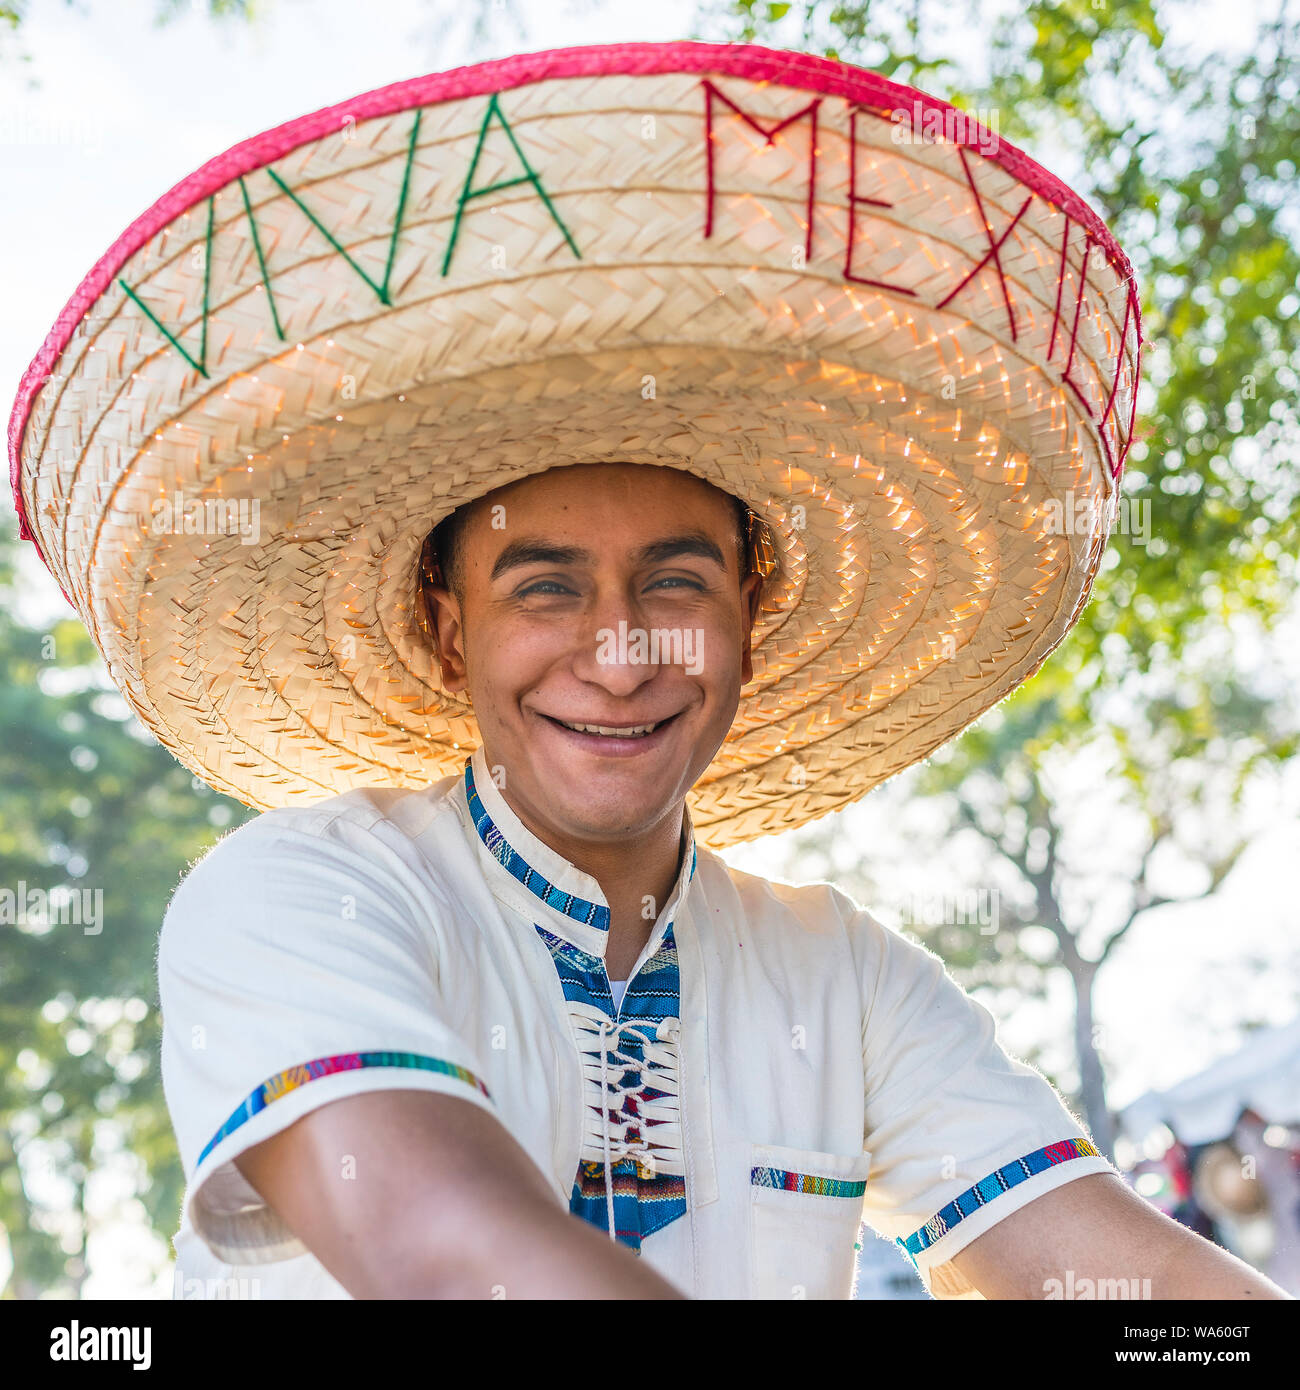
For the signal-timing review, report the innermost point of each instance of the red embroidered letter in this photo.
(770, 134)
(1130, 305)
(1078, 306)
(1130, 308)
(994, 246)
(854, 199)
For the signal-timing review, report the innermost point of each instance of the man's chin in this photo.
(605, 819)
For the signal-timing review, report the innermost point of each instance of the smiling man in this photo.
(653, 452)
(526, 988)
(598, 754)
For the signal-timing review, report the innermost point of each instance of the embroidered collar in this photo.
(540, 883)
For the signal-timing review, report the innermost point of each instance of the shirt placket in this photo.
(631, 1178)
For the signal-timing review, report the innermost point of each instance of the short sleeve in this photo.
(961, 1134)
(295, 968)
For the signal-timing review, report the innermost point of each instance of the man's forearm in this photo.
(535, 1250)
(444, 1204)
(1098, 1233)
(507, 1235)
(1197, 1268)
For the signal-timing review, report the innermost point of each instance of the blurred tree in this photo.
(14, 15)
(91, 804)
(477, 20)
(1190, 158)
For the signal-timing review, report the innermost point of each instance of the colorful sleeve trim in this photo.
(984, 1191)
(290, 1080)
(805, 1182)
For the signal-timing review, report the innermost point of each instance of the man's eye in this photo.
(544, 587)
(677, 579)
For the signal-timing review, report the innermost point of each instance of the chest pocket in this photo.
(805, 1212)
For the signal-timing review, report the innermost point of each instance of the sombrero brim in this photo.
(917, 358)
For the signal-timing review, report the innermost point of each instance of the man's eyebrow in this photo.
(533, 550)
(692, 543)
(536, 550)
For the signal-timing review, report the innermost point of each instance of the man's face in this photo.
(600, 595)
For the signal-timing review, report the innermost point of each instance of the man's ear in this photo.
(751, 594)
(446, 626)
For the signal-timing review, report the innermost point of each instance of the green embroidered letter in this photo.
(201, 366)
(530, 176)
(261, 259)
(382, 289)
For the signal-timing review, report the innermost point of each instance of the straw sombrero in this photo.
(909, 348)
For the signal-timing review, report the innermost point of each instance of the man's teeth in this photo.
(635, 731)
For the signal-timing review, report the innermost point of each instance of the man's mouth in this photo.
(620, 731)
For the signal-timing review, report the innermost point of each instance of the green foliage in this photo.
(90, 801)
(1190, 157)
(217, 9)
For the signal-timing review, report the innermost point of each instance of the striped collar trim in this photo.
(571, 904)
(560, 894)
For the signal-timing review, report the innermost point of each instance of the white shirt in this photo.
(781, 1067)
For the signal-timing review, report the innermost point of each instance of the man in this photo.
(763, 449)
(443, 1193)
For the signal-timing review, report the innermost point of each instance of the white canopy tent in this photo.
(1262, 1075)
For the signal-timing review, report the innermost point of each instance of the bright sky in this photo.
(124, 110)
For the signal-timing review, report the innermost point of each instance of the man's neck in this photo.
(636, 876)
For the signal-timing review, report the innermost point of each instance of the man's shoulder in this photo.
(812, 923)
(391, 815)
(366, 838)
(816, 906)
(408, 810)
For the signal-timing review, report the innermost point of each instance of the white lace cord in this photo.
(668, 1030)
(604, 1118)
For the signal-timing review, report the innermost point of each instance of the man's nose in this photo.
(616, 649)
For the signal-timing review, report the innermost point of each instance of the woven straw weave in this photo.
(907, 453)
